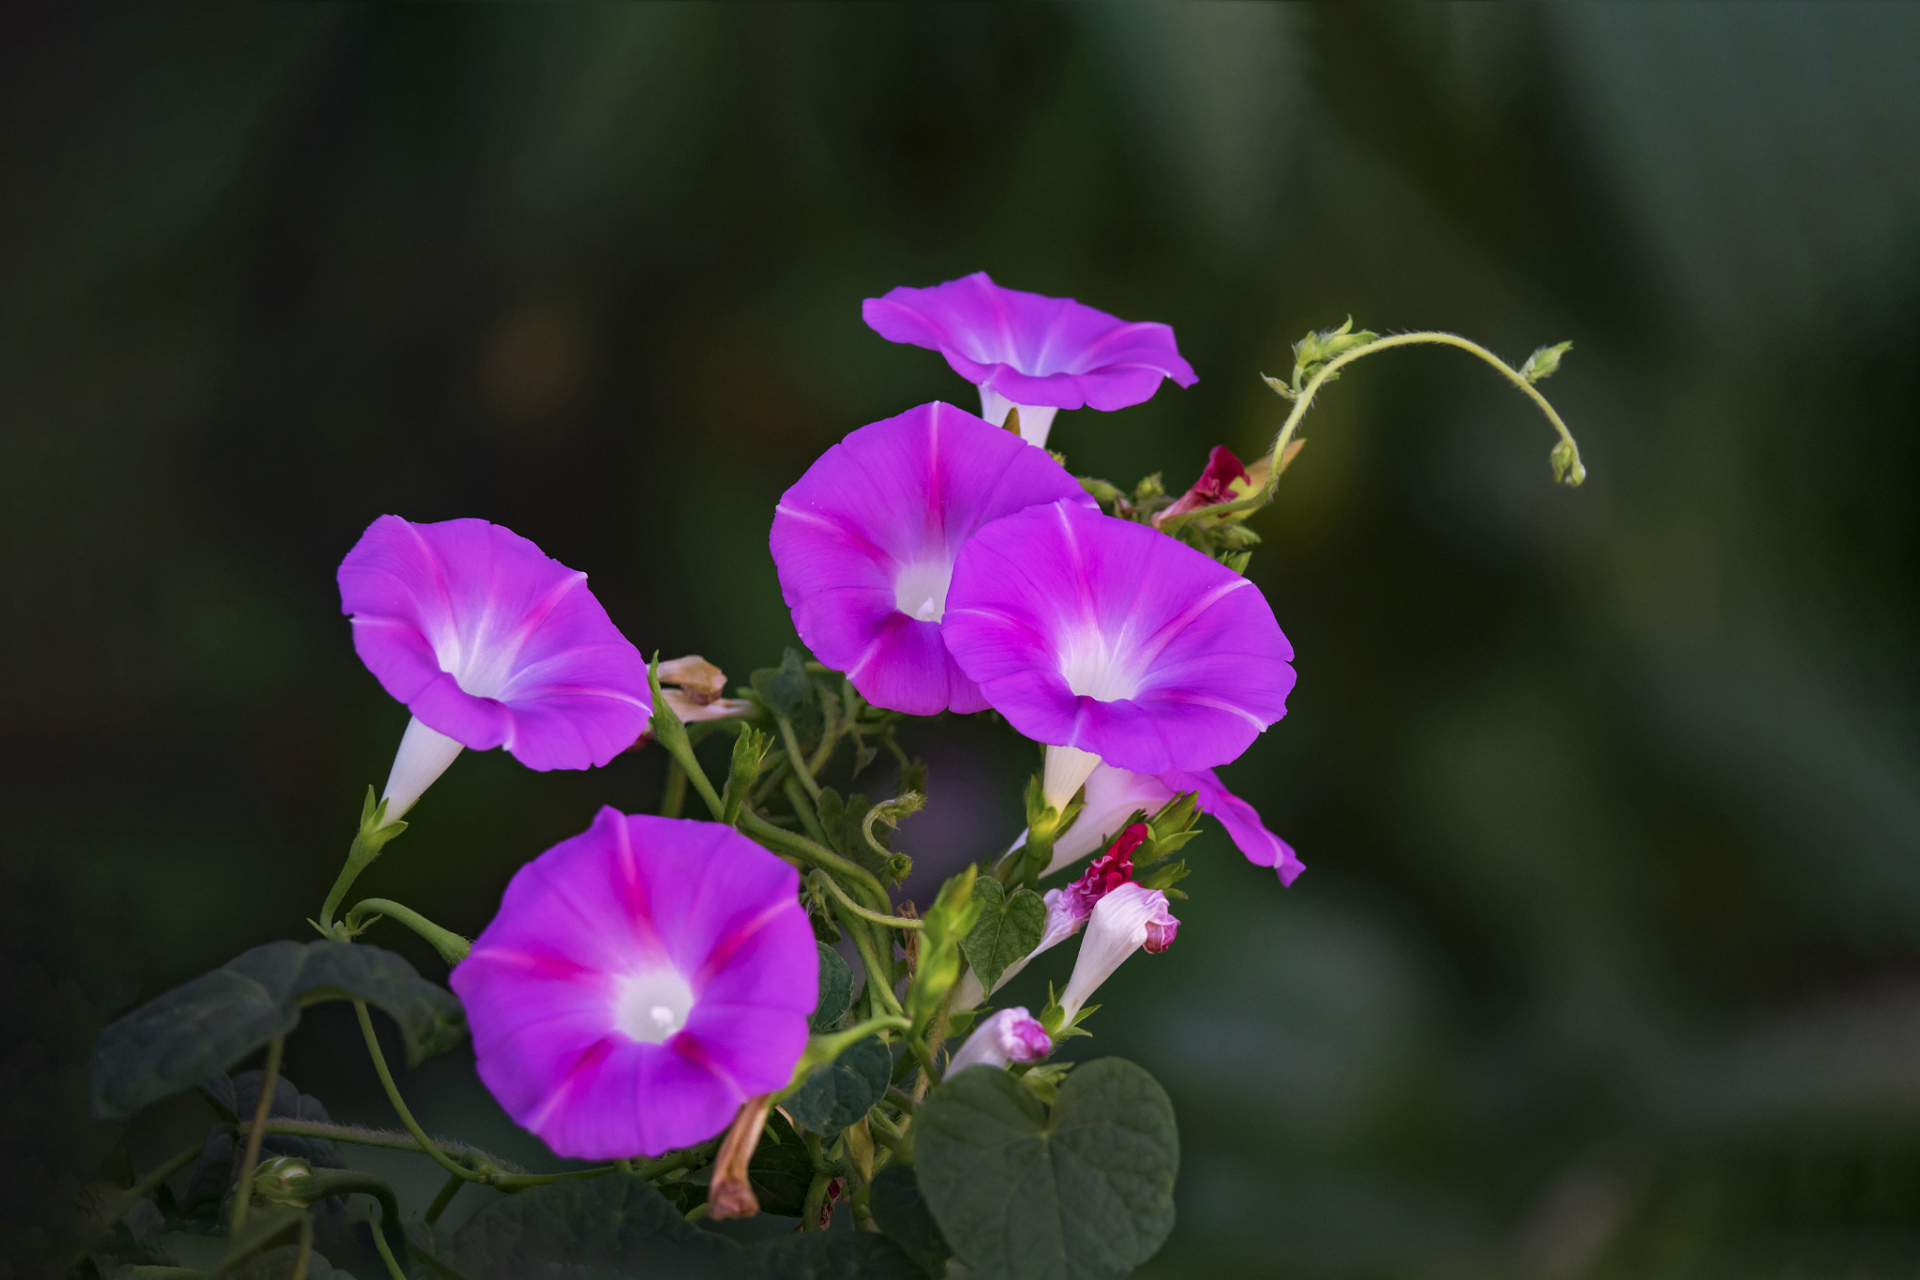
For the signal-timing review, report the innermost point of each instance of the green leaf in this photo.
(902, 1214)
(781, 1169)
(619, 1228)
(839, 1093)
(1083, 1194)
(1008, 929)
(785, 689)
(209, 1024)
(836, 990)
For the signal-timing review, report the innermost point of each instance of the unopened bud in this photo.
(1011, 1035)
(285, 1180)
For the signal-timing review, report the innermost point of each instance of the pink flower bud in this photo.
(1127, 920)
(1215, 485)
(1011, 1035)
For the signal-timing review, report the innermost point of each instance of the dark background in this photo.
(1607, 960)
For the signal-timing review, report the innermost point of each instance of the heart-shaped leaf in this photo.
(839, 1093)
(836, 990)
(1083, 1194)
(1008, 929)
(206, 1026)
(901, 1212)
(620, 1228)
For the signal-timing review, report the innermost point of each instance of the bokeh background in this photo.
(1607, 960)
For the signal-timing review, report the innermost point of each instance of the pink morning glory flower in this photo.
(1068, 910)
(1127, 920)
(1107, 640)
(1029, 352)
(640, 982)
(1010, 1035)
(1114, 794)
(490, 644)
(865, 545)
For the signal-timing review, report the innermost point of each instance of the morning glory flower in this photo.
(865, 545)
(1107, 640)
(490, 644)
(1113, 795)
(1029, 352)
(1068, 910)
(1010, 1035)
(640, 982)
(1127, 920)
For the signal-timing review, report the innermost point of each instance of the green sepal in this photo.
(948, 921)
(1545, 362)
(750, 750)
(1567, 467)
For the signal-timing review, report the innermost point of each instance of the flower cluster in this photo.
(674, 996)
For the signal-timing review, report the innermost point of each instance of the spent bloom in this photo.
(1010, 1035)
(693, 687)
(1224, 480)
(1029, 352)
(1068, 910)
(640, 983)
(489, 643)
(1127, 920)
(1107, 640)
(865, 545)
(1112, 795)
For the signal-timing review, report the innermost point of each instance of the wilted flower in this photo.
(490, 644)
(1114, 794)
(1010, 1035)
(640, 982)
(865, 546)
(1029, 352)
(1109, 641)
(692, 687)
(1127, 920)
(1224, 480)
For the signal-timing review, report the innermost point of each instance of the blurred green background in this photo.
(1607, 960)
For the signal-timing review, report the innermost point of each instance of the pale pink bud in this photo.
(1011, 1035)
(1127, 920)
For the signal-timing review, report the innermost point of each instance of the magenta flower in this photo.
(640, 982)
(1114, 794)
(1127, 920)
(865, 545)
(490, 644)
(1107, 640)
(1030, 352)
(1011, 1035)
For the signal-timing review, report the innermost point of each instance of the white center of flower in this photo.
(1093, 668)
(652, 1005)
(920, 590)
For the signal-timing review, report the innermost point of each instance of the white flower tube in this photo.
(1127, 920)
(1011, 1035)
(423, 756)
(1035, 419)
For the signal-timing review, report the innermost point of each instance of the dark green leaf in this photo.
(836, 990)
(1085, 1194)
(781, 1170)
(209, 1024)
(839, 1093)
(1008, 929)
(831, 1255)
(619, 1228)
(903, 1215)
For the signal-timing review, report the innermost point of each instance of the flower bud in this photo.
(1224, 480)
(1011, 1035)
(1127, 920)
(285, 1180)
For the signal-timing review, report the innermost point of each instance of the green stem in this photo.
(448, 1191)
(698, 1211)
(1254, 502)
(243, 1190)
(689, 1158)
(380, 1138)
(673, 798)
(896, 922)
(386, 1255)
(901, 1099)
(879, 973)
(819, 855)
(791, 740)
(452, 947)
(374, 834)
(815, 1201)
(936, 1036)
(885, 1130)
(399, 1105)
(804, 808)
(521, 1181)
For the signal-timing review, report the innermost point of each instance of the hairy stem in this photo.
(894, 922)
(427, 1144)
(243, 1190)
(451, 946)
